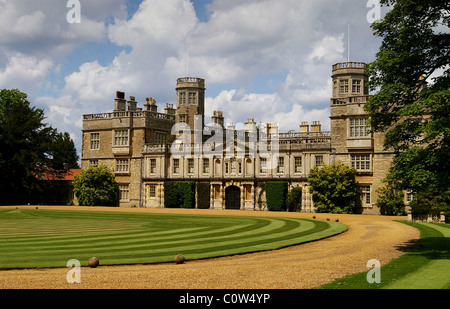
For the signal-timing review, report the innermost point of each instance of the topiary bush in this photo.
(179, 194)
(276, 192)
(203, 195)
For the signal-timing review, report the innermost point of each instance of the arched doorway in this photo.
(233, 197)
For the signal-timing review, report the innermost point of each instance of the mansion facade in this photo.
(144, 147)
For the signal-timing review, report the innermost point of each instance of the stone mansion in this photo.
(142, 148)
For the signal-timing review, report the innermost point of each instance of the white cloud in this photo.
(40, 27)
(295, 40)
(27, 73)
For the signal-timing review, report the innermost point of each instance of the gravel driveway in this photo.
(298, 267)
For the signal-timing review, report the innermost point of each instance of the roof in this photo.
(66, 176)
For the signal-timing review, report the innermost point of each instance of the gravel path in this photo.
(298, 267)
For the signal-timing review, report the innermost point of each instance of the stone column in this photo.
(242, 197)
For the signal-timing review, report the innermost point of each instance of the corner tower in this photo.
(348, 118)
(190, 100)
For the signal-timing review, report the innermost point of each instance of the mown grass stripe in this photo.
(142, 238)
(151, 250)
(148, 243)
(151, 235)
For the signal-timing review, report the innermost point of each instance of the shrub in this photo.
(334, 188)
(96, 186)
(294, 199)
(276, 192)
(390, 200)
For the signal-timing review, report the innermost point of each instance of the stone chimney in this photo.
(316, 127)
(272, 128)
(169, 110)
(132, 104)
(150, 105)
(119, 101)
(217, 118)
(250, 125)
(304, 127)
(231, 126)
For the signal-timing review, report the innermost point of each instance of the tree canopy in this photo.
(28, 148)
(411, 81)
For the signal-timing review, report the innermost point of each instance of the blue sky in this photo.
(264, 59)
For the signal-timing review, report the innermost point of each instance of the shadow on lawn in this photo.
(433, 248)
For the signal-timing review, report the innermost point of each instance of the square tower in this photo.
(348, 118)
(190, 100)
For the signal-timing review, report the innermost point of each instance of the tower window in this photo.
(121, 138)
(359, 128)
(192, 98)
(344, 86)
(95, 141)
(182, 98)
(356, 86)
(122, 166)
(361, 162)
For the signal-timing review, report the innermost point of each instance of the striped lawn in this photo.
(49, 238)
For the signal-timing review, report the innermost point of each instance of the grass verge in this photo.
(425, 266)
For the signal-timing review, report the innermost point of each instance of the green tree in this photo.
(390, 199)
(334, 189)
(96, 186)
(29, 148)
(64, 152)
(411, 78)
(431, 204)
(25, 147)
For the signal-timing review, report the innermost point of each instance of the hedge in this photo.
(203, 195)
(276, 192)
(179, 194)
